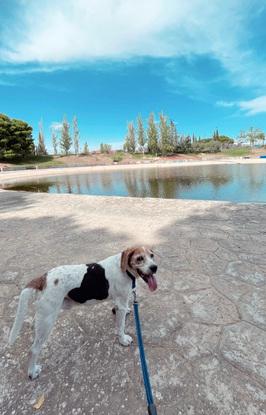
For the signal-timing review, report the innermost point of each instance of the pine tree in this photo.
(15, 138)
(85, 148)
(76, 135)
(65, 142)
(152, 135)
(141, 134)
(54, 142)
(165, 141)
(41, 149)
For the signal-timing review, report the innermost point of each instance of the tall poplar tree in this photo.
(41, 149)
(76, 135)
(65, 141)
(54, 142)
(173, 136)
(130, 141)
(141, 134)
(86, 148)
(165, 140)
(152, 134)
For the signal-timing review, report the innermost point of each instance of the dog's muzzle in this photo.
(149, 278)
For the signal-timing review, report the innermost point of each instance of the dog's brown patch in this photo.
(38, 283)
(56, 281)
(126, 258)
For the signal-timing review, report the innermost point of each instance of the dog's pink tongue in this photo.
(152, 283)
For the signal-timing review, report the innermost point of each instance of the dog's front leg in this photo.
(124, 339)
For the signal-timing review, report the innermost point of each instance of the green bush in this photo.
(15, 138)
(117, 157)
(206, 146)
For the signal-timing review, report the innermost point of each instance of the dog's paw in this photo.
(125, 340)
(34, 373)
(114, 310)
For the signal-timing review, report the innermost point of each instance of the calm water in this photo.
(236, 183)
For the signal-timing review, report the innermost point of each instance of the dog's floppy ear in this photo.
(125, 257)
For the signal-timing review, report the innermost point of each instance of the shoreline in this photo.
(17, 176)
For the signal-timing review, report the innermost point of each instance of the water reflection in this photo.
(224, 182)
(169, 184)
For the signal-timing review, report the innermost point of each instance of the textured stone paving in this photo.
(204, 329)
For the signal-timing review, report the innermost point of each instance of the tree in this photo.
(76, 135)
(126, 144)
(105, 148)
(215, 135)
(130, 142)
(165, 142)
(173, 136)
(255, 135)
(54, 142)
(141, 134)
(65, 142)
(15, 138)
(224, 139)
(41, 149)
(152, 136)
(261, 137)
(85, 148)
(250, 135)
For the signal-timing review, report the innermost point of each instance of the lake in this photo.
(235, 183)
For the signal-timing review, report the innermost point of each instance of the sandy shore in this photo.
(7, 177)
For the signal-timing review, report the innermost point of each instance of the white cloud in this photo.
(254, 106)
(226, 104)
(68, 31)
(249, 107)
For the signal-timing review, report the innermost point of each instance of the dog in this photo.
(78, 284)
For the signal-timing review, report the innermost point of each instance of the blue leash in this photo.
(145, 373)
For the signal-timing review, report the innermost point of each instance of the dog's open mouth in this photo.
(149, 279)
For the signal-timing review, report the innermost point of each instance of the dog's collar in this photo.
(131, 276)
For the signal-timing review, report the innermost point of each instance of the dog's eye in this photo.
(152, 256)
(140, 258)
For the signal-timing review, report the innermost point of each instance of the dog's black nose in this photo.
(153, 268)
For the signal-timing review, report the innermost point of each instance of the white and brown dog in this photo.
(110, 278)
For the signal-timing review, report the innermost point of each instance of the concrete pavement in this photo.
(204, 328)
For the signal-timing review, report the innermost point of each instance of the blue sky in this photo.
(106, 61)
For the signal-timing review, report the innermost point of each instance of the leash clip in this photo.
(134, 292)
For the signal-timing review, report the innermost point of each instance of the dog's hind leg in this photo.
(45, 317)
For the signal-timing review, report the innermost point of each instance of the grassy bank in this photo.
(237, 152)
(40, 161)
(119, 157)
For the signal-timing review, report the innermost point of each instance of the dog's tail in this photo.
(21, 313)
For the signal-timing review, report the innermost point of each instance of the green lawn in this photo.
(40, 161)
(140, 156)
(237, 152)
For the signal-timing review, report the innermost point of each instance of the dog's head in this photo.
(140, 260)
